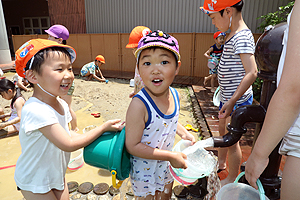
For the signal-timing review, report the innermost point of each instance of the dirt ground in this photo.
(111, 100)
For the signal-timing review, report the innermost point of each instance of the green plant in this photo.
(256, 86)
(277, 17)
(270, 19)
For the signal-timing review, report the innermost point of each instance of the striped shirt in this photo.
(231, 70)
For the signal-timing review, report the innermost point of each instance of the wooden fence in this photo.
(118, 58)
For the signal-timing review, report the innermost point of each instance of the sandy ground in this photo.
(111, 100)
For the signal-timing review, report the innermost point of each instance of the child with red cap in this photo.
(136, 34)
(237, 71)
(90, 70)
(152, 119)
(44, 134)
(215, 52)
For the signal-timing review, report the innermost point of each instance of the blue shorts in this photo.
(214, 70)
(248, 102)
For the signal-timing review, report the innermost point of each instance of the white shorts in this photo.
(290, 145)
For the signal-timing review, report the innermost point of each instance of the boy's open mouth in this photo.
(157, 81)
(64, 85)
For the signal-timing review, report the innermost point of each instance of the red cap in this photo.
(100, 58)
(136, 34)
(212, 6)
(31, 47)
(218, 33)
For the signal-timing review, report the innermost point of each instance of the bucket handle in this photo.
(114, 180)
(260, 186)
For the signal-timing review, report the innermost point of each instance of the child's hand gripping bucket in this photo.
(241, 191)
(199, 161)
(109, 152)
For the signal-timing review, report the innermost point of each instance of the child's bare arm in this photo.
(20, 85)
(60, 138)
(99, 71)
(207, 53)
(184, 134)
(5, 115)
(250, 67)
(135, 123)
(19, 103)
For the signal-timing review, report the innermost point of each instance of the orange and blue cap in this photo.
(213, 6)
(32, 47)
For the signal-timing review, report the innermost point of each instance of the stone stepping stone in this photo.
(113, 191)
(72, 186)
(85, 188)
(180, 191)
(101, 188)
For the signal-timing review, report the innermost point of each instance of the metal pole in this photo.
(5, 57)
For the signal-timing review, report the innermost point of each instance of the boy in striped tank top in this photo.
(236, 72)
(152, 119)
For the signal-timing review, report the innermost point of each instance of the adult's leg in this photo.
(290, 179)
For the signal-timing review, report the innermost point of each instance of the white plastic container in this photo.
(241, 191)
(131, 84)
(199, 161)
(76, 160)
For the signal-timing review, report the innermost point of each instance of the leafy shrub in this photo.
(270, 19)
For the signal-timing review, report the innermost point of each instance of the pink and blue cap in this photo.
(159, 39)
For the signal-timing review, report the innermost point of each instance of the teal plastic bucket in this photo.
(109, 152)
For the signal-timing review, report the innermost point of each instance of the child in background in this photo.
(21, 83)
(283, 117)
(152, 118)
(136, 34)
(8, 91)
(60, 34)
(91, 69)
(214, 51)
(236, 72)
(44, 135)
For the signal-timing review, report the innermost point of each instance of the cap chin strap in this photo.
(45, 90)
(31, 62)
(37, 83)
